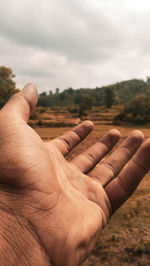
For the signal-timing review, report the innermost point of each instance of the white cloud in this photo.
(66, 43)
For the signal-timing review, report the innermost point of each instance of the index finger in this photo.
(69, 140)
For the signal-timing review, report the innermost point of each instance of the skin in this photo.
(53, 210)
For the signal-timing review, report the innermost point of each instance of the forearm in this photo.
(19, 244)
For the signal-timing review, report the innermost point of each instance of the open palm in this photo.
(64, 205)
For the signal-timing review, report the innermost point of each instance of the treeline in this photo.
(115, 94)
(133, 95)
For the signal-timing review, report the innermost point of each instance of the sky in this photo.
(75, 43)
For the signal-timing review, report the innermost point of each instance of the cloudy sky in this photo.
(77, 43)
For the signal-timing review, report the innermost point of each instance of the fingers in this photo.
(110, 168)
(88, 159)
(68, 141)
(22, 103)
(121, 188)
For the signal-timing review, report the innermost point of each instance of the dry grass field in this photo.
(126, 239)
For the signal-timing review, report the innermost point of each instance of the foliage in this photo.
(118, 94)
(7, 85)
(148, 80)
(70, 90)
(43, 93)
(73, 110)
(57, 90)
(109, 97)
(127, 90)
(50, 92)
(136, 111)
(85, 105)
(115, 94)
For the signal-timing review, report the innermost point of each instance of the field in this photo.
(126, 239)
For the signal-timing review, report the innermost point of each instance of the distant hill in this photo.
(124, 92)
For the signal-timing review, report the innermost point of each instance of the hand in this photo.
(52, 210)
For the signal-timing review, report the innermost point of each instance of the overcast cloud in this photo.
(77, 43)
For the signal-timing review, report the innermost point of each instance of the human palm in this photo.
(66, 204)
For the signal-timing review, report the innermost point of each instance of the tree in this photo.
(43, 93)
(62, 96)
(78, 98)
(50, 92)
(136, 111)
(70, 90)
(57, 90)
(148, 80)
(109, 97)
(85, 105)
(7, 85)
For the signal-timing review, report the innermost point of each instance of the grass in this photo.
(126, 239)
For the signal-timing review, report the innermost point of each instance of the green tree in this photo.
(43, 93)
(78, 98)
(85, 105)
(109, 97)
(7, 85)
(62, 96)
(50, 92)
(70, 90)
(136, 111)
(57, 90)
(148, 80)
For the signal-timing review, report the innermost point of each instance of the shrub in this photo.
(72, 110)
(136, 111)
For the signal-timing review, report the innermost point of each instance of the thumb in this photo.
(22, 104)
